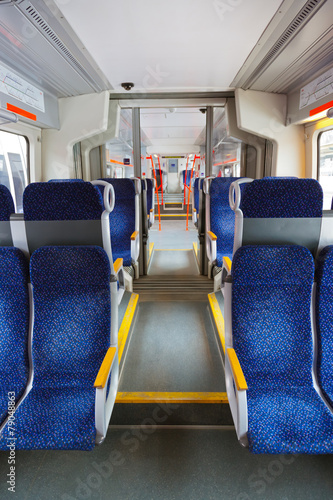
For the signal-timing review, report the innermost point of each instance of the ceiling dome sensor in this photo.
(329, 113)
(127, 85)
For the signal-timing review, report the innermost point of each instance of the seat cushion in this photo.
(62, 419)
(292, 421)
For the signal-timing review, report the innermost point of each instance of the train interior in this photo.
(165, 234)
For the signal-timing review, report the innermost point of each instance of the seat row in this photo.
(279, 344)
(59, 359)
(242, 211)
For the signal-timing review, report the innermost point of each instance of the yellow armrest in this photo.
(103, 373)
(151, 210)
(212, 236)
(227, 264)
(134, 235)
(236, 370)
(117, 265)
(194, 209)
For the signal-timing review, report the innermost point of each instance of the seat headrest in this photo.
(62, 201)
(124, 189)
(282, 198)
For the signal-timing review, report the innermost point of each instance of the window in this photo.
(325, 170)
(13, 166)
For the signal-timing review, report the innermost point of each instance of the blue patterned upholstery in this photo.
(62, 201)
(324, 320)
(149, 195)
(71, 336)
(197, 187)
(14, 325)
(272, 337)
(188, 176)
(6, 203)
(122, 218)
(66, 180)
(222, 218)
(282, 197)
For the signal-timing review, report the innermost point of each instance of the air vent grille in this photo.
(298, 23)
(38, 21)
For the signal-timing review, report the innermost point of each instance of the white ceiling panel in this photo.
(173, 45)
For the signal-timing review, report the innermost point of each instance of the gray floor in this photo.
(142, 463)
(173, 348)
(173, 235)
(173, 262)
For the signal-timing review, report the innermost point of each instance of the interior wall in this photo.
(264, 114)
(81, 117)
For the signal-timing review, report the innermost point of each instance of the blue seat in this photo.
(280, 410)
(6, 203)
(14, 326)
(324, 321)
(123, 220)
(197, 187)
(62, 201)
(280, 210)
(282, 197)
(71, 337)
(220, 225)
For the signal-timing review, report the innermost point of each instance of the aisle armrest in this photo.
(237, 394)
(106, 385)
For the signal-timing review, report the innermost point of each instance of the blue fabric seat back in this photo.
(222, 218)
(282, 198)
(324, 321)
(187, 176)
(6, 203)
(72, 315)
(122, 218)
(271, 324)
(62, 201)
(14, 325)
(149, 195)
(197, 187)
(66, 180)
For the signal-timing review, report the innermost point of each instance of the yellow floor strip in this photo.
(151, 247)
(172, 397)
(126, 324)
(218, 318)
(195, 248)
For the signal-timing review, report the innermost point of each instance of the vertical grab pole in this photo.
(159, 164)
(158, 200)
(190, 190)
(185, 181)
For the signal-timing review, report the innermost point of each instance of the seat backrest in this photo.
(196, 192)
(66, 180)
(122, 218)
(6, 203)
(149, 184)
(14, 325)
(221, 217)
(71, 289)
(271, 324)
(186, 176)
(324, 321)
(62, 201)
(279, 210)
(282, 197)
(7, 208)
